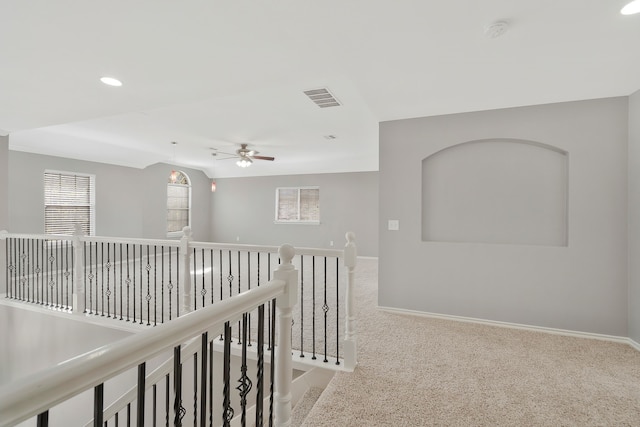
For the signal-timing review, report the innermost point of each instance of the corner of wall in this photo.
(633, 232)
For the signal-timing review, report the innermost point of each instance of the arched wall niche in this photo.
(509, 191)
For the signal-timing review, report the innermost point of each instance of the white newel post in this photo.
(350, 341)
(79, 305)
(283, 357)
(185, 269)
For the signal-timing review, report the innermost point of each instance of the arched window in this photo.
(178, 203)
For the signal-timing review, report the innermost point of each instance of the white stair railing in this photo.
(35, 395)
(150, 281)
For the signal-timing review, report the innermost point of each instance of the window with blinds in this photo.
(69, 200)
(298, 204)
(178, 203)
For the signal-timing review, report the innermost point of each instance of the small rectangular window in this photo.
(298, 204)
(69, 200)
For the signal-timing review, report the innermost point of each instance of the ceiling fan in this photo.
(244, 155)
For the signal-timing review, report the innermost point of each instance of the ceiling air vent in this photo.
(322, 98)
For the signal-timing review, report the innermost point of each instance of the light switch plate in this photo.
(394, 225)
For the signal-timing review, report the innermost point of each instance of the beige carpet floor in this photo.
(417, 371)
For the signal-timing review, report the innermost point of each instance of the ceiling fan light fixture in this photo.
(631, 8)
(244, 162)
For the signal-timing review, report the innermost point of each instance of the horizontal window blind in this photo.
(68, 200)
(298, 204)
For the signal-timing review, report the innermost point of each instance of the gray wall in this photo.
(129, 202)
(582, 286)
(244, 208)
(4, 182)
(634, 217)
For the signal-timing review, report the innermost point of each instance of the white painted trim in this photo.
(564, 332)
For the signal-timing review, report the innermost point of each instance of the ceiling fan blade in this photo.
(263, 158)
(228, 158)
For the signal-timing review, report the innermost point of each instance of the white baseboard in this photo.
(565, 332)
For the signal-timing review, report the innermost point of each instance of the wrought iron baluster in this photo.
(325, 308)
(178, 282)
(148, 297)
(108, 293)
(210, 383)
(211, 273)
(269, 347)
(239, 291)
(195, 280)
(21, 270)
(162, 284)
(195, 389)
(67, 273)
(134, 282)
(128, 414)
(301, 306)
(337, 311)
(272, 338)
(102, 277)
(170, 285)
(227, 410)
(7, 251)
(43, 419)
(204, 289)
(98, 404)
(204, 341)
(58, 272)
(249, 288)
(155, 286)
(245, 383)
(142, 373)
(178, 409)
(141, 285)
(121, 275)
(260, 366)
(128, 282)
(90, 277)
(313, 306)
(220, 270)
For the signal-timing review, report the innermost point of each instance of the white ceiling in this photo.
(213, 74)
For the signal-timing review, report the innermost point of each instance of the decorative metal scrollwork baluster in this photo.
(148, 296)
(260, 365)
(179, 410)
(325, 308)
(227, 410)
(108, 292)
(245, 382)
(128, 283)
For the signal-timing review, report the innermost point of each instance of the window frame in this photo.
(188, 209)
(298, 220)
(92, 198)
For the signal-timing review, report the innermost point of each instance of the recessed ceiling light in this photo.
(631, 8)
(111, 81)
